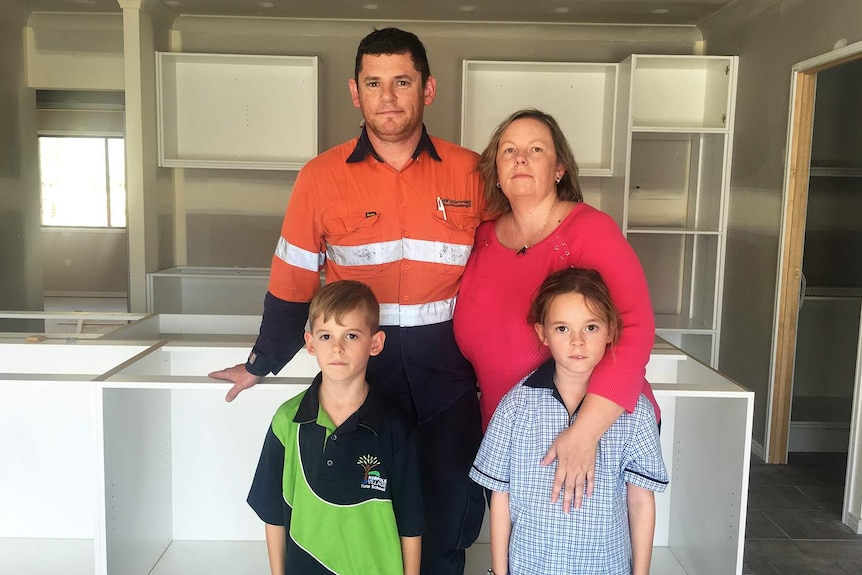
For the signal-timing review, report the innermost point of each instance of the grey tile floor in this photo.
(794, 518)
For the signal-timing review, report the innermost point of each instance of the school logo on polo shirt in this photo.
(372, 479)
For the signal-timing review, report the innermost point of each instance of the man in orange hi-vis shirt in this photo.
(397, 209)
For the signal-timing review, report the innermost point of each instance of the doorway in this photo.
(821, 176)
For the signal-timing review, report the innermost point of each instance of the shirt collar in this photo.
(364, 148)
(543, 378)
(369, 414)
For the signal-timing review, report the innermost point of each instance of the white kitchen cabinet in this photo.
(207, 290)
(236, 111)
(580, 96)
(156, 465)
(49, 454)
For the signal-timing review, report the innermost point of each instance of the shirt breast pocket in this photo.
(355, 229)
(457, 228)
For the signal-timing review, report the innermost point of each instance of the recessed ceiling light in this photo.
(561, 10)
(466, 8)
(660, 11)
(86, 2)
(266, 4)
(370, 6)
(172, 2)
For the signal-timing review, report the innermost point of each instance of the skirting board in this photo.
(819, 436)
(757, 449)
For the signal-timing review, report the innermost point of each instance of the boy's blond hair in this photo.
(337, 299)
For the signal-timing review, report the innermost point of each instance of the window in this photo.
(83, 181)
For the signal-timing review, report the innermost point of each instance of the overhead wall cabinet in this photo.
(236, 111)
(658, 130)
(581, 96)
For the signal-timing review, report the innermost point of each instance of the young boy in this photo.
(612, 533)
(338, 481)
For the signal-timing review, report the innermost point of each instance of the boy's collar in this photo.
(369, 414)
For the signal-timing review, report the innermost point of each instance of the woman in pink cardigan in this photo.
(541, 226)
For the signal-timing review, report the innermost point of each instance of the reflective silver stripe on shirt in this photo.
(298, 257)
(417, 315)
(396, 250)
(365, 255)
(436, 252)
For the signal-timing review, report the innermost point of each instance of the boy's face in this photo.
(576, 336)
(342, 349)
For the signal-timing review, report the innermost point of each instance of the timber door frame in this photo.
(792, 241)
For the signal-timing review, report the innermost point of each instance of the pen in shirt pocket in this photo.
(441, 207)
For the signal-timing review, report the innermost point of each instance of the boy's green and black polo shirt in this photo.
(345, 495)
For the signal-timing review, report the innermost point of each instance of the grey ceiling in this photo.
(682, 12)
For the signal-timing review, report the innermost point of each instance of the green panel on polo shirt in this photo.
(367, 533)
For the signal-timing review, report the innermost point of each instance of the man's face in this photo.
(391, 96)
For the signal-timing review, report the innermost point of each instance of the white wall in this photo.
(769, 37)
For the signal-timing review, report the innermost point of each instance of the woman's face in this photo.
(526, 160)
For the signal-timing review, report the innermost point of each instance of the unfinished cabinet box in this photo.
(681, 92)
(581, 96)
(49, 459)
(676, 182)
(236, 111)
(207, 290)
(179, 462)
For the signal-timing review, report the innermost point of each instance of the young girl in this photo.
(612, 532)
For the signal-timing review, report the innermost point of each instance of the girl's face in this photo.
(576, 335)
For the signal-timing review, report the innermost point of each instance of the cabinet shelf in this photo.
(236, 111)
(829, 172)
(580, 96)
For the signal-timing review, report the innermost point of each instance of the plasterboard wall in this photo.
(770, 37)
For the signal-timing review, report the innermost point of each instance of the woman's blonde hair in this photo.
(568, 189)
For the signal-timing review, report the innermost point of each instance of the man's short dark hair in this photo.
(393, 41)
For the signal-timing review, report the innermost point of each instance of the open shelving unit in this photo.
(674, 206)
(236, 111)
